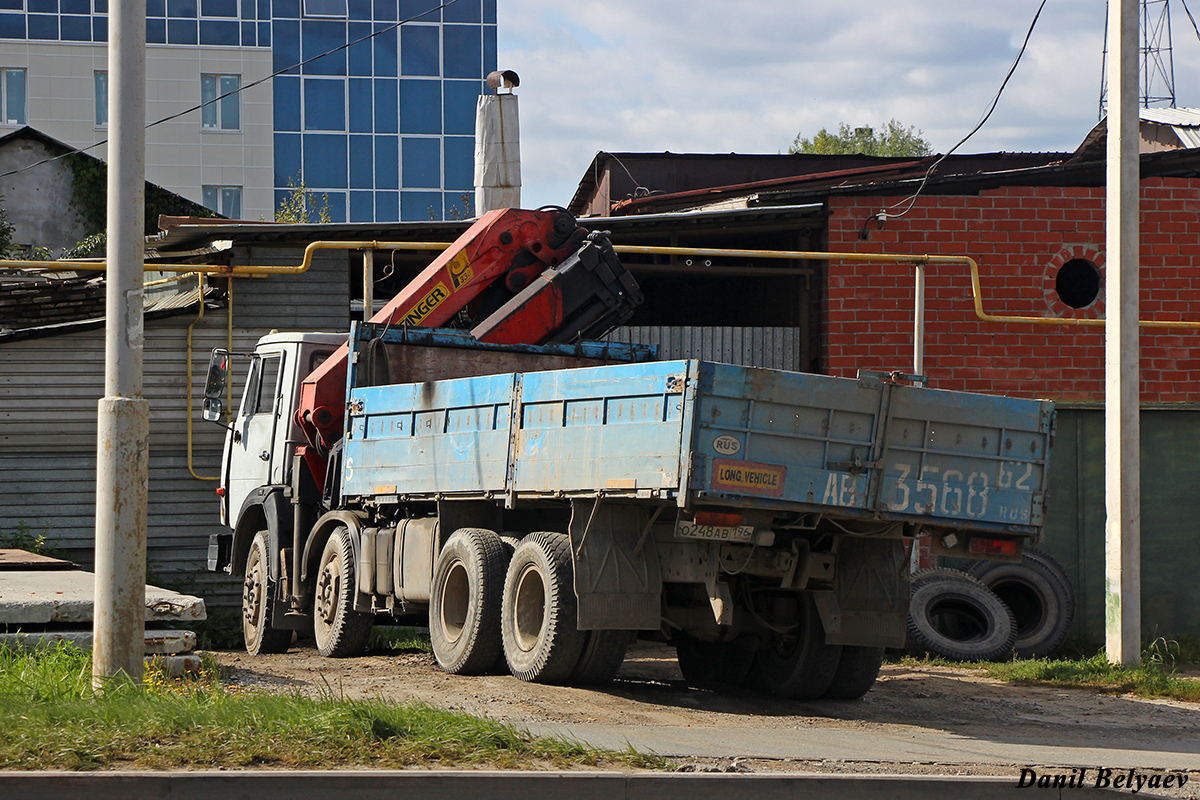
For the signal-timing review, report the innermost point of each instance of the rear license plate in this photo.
(690, 530)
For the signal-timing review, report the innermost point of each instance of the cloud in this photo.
(746, 75)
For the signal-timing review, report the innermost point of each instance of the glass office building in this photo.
(377, 116)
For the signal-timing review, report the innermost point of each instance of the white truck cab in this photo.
(262, 436)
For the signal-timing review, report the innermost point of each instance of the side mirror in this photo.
(214, 386)
(212, 409)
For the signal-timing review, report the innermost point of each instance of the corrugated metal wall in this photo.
(49, 388)
(774, 348)
(316, 300)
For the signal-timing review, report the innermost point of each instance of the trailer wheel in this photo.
(1038, 592)
(856, 672)
(340, 631)
(541, 641)
(961, 619)
(797, 663)
(260, 637)
(464, 613)
(714, 663)
(602, 657)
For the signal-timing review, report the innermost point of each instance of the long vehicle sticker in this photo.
(428, 303)
(747, 477)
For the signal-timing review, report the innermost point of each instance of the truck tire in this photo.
(541, 641)
(1039, 594)
(923, 576)
(707, 664)
(602, 657)
(510, 540)
(340, 631)
(856, 672)
(260, 637)
(959, 619)
(464, 612)
(797, 663)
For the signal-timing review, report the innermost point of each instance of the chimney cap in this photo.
(506, 79)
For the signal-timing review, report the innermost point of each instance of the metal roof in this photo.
(196, 238)
(1184, 121)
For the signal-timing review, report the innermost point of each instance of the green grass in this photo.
(398, 639)
(1155, 678)
(50, 719)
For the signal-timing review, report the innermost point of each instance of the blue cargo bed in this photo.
(700, 433)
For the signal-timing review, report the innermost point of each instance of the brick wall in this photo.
(1020, 236)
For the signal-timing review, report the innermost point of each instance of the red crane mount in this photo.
(532, 277)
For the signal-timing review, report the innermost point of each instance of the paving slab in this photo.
(918, 746)
(41, 597)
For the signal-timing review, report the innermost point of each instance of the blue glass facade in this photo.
(381, 120)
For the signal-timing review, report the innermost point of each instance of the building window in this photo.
(101, 83)
(222, 114)
(12, 96)
(325, 8)
(225, 200)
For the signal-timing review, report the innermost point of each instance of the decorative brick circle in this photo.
(1086, 252)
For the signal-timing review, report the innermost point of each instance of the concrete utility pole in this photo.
(1122, 428)
(123, 424)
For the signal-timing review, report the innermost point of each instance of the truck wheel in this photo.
(856, 672)
(340, 631)
(256, 603)
(541, 641)
(707, 664)
(1038, 592)
(796, 663)
(464, 613)
(960, 619)
(602, 657)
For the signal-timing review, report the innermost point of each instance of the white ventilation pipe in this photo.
(497, 153)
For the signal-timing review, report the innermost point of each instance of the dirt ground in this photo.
(650, 691)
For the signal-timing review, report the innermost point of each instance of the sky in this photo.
(746, 76)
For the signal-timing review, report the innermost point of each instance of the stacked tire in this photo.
(953, 615)
(991, 609)
(1038, 592)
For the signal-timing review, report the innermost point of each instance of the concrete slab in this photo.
(157, 642)
(32, 597)
(24, 560)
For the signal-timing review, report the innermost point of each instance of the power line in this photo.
(231, 93)
(886, 214)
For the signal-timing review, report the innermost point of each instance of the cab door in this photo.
(253, 454)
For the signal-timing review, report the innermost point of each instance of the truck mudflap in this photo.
(870, 449)
(617, 576)
(869, 606)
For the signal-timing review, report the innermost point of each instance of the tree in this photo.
(892, 140)
(301, 206)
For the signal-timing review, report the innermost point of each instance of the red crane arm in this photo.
(509, 245)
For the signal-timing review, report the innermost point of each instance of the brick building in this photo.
(1035, 225)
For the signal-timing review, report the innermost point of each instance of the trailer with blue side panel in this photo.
(542, 513)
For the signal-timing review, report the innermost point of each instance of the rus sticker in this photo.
(747, 477)
(727, 445)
